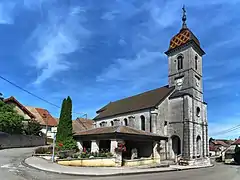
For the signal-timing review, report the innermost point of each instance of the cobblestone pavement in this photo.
(11, 169)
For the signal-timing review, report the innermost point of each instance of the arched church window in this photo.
(199, 146)
(196, 62)
(142, 122)
(112, 123)
(180, 62)
(198, 112)
(125, 122)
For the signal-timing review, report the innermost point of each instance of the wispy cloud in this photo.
(60, 36)
(126, 69)
(7, 12)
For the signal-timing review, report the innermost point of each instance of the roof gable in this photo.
(237, 142)
(22, 107)
(81, 124)
(138, 102)
(43, 116)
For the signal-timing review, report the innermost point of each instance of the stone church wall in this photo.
(133, 119)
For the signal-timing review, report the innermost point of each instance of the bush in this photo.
(95, 154)
(32, 128)
(67, 144)
(66, 154)
(44, 150)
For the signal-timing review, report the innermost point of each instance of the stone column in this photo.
(154, 122)
(203, 141)
(207, 142)
(191, 148)
(185, 141)
(156, 151)
(131, 121)
(117, 155)
(95, 146)
(113, 145)
(80, 145)
(194, 141)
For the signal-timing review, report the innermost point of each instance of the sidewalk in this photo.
(44, 165)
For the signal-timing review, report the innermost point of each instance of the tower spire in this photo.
(184, 18)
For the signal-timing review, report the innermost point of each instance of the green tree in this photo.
(237, 154)
(10, 121)
(32, 128)
(64, 137)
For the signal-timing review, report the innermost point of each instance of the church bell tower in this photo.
(185, 62)
(185, 74)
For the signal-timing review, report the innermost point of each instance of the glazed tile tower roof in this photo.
(184, 36)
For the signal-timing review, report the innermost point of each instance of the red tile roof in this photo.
(222, 143)
(42, 116)
(47, 117)
(214, 148)
(22, 107)
(237, 142)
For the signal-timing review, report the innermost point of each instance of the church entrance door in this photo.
(176, 145)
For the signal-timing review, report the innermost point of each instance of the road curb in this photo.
(113, 174)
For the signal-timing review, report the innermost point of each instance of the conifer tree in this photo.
(64, 136)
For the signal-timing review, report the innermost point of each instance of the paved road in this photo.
(11, 169)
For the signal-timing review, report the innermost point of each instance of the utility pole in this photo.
(54, 142)
(46, 120)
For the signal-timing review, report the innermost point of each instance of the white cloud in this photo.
(129, 69)
(166, 14)
(110, 15)
(7, 12)
(60, 36)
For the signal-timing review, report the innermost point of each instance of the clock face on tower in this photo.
(179, 82)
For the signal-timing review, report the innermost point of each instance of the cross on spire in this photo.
(184, 18)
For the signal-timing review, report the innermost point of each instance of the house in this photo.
(20, 109)
(214, 150)
(46, 120)
(216, 146)
(37, 114)
(228, 153)
(163, 123)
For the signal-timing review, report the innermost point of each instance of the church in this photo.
(163, 123)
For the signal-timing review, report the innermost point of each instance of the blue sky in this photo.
(98, 51)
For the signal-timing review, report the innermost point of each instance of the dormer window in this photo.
(180, 62)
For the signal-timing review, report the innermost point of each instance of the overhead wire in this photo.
(36, 96)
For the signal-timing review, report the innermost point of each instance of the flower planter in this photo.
(86, 162)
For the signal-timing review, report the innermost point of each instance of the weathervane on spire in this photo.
(184, 18)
